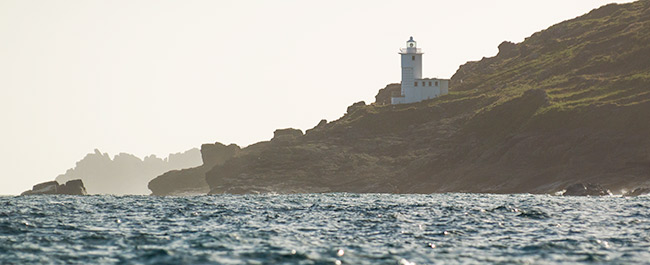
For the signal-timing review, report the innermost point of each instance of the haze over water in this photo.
(325, 229)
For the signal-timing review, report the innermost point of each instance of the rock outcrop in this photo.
(638, 192)
(191, 181)
(507, 50)
(358, 105)
(385, 94)
(589, 189)
(285, 136)
(72, 187)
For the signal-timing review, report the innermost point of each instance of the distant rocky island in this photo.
(125, 173)
(567, 107)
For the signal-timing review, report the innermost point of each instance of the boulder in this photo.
(217, 153)
(356, 106)
(507, 49)
(286, 135)
(49, 187)
(588, 189)
(72, 187)
(384, 95)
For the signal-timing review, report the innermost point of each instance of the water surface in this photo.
(324, 229)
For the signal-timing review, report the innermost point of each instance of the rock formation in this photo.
(288, 135)
(385, 94)
(638, 192)
(588, 189)
(126, 173)
(72, 187)
(354, 107)
(191, 181)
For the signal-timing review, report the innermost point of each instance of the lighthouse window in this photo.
(413, 57)
(416, 83)
(429, 83)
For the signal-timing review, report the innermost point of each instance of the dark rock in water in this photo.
(50, 187)
(72, 187)
(589, 189)
(638, 192)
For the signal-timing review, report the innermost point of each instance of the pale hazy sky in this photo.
(158, 77)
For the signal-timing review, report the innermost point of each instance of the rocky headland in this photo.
(568, 105)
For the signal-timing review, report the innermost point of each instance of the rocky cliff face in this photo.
(568, 105)
(125, 173)
(191, 181)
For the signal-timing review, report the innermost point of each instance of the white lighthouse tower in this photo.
(414, 87)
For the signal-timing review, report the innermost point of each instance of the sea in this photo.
(335, 228)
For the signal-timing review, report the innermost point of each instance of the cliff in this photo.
(568, 105)
(125, 173)
(191, 181)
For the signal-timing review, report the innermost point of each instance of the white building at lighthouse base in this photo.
(422, 89)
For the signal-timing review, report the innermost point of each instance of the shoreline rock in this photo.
(638, 192)
(191, 181)
(72, 187)
(588, 189)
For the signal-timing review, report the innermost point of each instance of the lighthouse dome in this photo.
(411, 43)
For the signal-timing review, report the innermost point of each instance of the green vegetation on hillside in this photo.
(600, 58)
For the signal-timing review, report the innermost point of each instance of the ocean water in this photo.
(325, 229)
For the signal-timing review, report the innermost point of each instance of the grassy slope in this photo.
(599, 58)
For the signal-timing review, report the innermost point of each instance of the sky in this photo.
(159, 76)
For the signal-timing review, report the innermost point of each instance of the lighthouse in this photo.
(414, 88)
